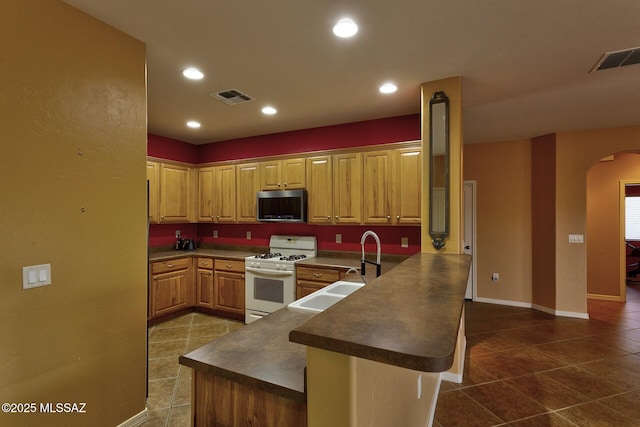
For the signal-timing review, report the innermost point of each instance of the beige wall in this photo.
(72, 156)
(603, 223)
(503, 174)
(504, 215)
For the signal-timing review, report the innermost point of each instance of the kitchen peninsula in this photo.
(392, 338)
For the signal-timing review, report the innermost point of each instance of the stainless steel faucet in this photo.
(363, 261)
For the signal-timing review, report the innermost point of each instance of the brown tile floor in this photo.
(527, 368)
(523, 367)
(169, 401)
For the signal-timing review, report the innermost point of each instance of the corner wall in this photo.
(72, 156)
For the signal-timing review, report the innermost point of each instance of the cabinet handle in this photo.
(171, 265)
(229, 265)
(205, 263)
(317, 274)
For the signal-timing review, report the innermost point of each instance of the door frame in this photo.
(622, 240)
(474, 235)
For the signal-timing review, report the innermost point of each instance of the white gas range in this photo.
(270, 278)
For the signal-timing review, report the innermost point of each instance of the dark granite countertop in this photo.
(259, 355)
(214, 253)
(409, 317)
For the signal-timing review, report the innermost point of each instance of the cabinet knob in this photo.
(398, 217)
(155, 277)
(210, 273)
(328, 216)
(336, 216)
(162, 217)
(388, 217)
(285, 184)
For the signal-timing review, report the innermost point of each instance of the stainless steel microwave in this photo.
(282, 206)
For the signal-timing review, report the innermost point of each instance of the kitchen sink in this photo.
(324, 298)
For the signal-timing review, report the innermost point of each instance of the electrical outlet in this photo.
(248, 235)
(338, 238)
(177, 234)
(215, 234)
(404, 242)
(576, 238)
(495, 277)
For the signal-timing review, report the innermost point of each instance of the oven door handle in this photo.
(269, 272)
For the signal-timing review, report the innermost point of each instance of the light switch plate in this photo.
(35, 276)
(576, 238)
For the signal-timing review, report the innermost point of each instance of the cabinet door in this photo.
(377, 187)
(248, 182)
(170, 292)
(175, 191)
(205, 195)
(204, 288)
(153, 195)
(319, 190)
(304, 288)
(293, 173)
(408, 186)
(347, 188)
(271, 175)
(224, 189)
(229, 291)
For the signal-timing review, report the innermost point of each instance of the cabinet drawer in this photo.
(205, 263)
(318, 274)
(170, 265)
(229, 265)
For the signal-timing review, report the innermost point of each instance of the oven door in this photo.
(267, 291)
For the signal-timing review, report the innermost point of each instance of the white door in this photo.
(470, 234)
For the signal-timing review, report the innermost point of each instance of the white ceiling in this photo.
(525, 63)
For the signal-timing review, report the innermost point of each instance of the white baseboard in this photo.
(136, 420)
(504, 302)
(542, 308)
(450, 376)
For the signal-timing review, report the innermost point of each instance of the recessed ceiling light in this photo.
(193, 124)
(388, 88)
(269, 110)
(192, 73)
(345, 28)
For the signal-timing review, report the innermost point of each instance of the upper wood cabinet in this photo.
(347, 188)
(153, 190)
(217, 194)
(288, 174)
(248, 184)
(319, 190)
(378, 173)
(177, 185)
(407, 189)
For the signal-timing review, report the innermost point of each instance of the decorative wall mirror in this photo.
(439, 169)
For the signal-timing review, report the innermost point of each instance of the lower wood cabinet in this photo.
(170, 287)
(228, 287)
(204, 282)
(310, 279)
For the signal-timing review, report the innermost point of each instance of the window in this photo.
(632, 218)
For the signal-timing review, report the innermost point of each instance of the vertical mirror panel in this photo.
(439, 169)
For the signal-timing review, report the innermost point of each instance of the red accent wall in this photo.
(372, 132)
(171, 149)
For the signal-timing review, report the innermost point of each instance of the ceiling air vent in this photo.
(619, 58)
(231, 96)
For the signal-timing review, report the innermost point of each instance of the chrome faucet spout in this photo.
(363, 261)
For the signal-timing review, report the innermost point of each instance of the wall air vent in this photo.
(619, 58)
(231, 97)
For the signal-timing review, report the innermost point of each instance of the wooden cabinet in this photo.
(170, 286)
(319, 190)
(177, 186)
(288, 174)
(407, 189)
(310, 279)
(248, 184)
(334, 189)
(347, 188)
(204, 282)
(153, 191)
(228, 287)
(217, 194)
(377, 181)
